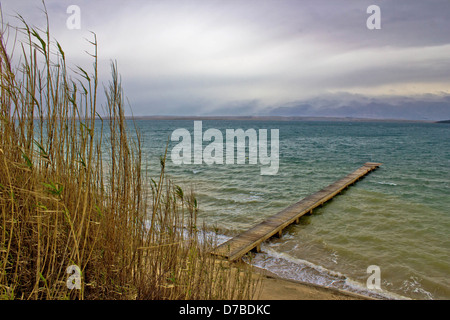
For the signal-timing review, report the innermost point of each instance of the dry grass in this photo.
(65, 201)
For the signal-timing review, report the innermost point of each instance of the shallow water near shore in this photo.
(397, 217)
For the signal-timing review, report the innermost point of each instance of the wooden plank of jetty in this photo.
(238, 246)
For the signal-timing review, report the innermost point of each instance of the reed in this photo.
(73, 191)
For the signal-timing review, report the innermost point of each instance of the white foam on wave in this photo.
(387, 183)
(289, 267)
(286, 266)
(413, 285)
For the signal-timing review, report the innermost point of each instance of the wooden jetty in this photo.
(251, 239)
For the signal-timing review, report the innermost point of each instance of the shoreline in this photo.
(274, 287)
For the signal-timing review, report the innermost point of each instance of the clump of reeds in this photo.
(73, 192)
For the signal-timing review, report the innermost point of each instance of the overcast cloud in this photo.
(257, 57)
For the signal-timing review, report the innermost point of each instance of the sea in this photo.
(397, 218)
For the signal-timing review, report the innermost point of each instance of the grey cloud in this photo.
(224, 57)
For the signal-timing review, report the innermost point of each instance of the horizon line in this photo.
(263, 118)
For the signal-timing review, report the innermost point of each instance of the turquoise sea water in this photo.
(397, 218)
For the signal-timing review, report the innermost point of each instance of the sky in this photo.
(263, 57)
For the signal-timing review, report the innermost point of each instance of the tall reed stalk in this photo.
(73, 192)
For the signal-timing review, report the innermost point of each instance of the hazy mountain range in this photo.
(432, 109)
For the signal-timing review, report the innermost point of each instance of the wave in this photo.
(387, 183)
(288, 267)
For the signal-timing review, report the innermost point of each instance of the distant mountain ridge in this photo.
(409, 110)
